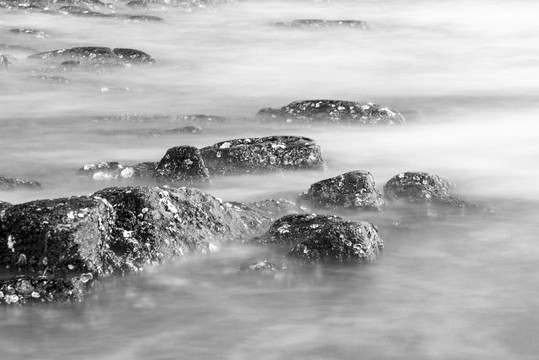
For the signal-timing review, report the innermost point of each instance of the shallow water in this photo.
(448, 287)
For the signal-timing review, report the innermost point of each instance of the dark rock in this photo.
(83, 12)
(145, 170)
(324, 24)
(177, 131)
(30, 32)
(323, 238)
(12, 184)
(22, 290)
(332, 111)
(263, 155)
(107, 170)
(417, 187)
(182, 164)
(59, 237)
(354, 190)
(251, 215)
(137, 18)
(133, 56)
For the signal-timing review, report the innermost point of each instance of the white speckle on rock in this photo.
(35, 295)
(11, 243)
(70, 215)
(283, 229)
(89, 167)
(70, 266)
(9, 299)
(225, 145)
(128, 172)
(213, 248)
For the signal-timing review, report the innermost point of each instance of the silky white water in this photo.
(449, 287)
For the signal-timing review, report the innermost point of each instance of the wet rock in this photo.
(325, 24)
(107, 170)
(157, 224)
(263, 155)
(354, 190)
(145, 170)
(193, 130)
(30, 32)
(184, 165)
(57, 236)
(17, 184)
(332, 111)
(24, 5)
(103, 55)
(317, 238)
(22, 290)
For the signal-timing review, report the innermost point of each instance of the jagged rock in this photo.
(263, 155)
(107, 170)
(182, 164)
(354, 190)
(421, 187)
(332, 111)
(22, 290)
(30, 32)
(317, 238)
(57, 236)
(102, 55)
(324, 24)
(145, 170)
(14, 184)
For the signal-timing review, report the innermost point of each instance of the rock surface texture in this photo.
(263, 155)
(354, 190)
(184, 165)
(332, 111)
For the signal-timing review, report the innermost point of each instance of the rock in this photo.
(251, 215)
(324, 24)
(22, 290)
(202, 118)
(275, 208)
(3, 205)
(263, 155)
(30, 32)
(82, 11)
(317, 238)
(332, 111)
(145, 170)
(102, 55)
(157, 224)
(4, 61)
(138, 18)
(17, 184)
(61, 237)
(107, 170)
(182, 164)
(354, 190)
(191, 130)
(137, 4)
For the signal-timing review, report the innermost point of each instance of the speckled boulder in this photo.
(332, 111)
(325, 24)
(60, 237)
(183, 165)
(417, 187)
(17, 184)
(323, 238)
(263, 155)
(354, 190)
(23, 290)
(156, 224)
(107, 170)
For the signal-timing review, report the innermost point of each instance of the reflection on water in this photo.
(447, 287)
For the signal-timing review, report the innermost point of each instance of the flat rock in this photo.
(17, 184)
(184, 165)
(102, 55)
(333, 112)
(263, 155)
(354, 190)
(23, 290)
(325, 24)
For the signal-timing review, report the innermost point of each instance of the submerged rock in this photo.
(22, 290)
(354, 190)
(98, 54)
(57, 236)
(17, 184)
(317, 238)
(54, 79)
(4, 61)
(30, 32)
(107, 170)
(263, 155)
(332, 111)
(325, 24)
(182, 164)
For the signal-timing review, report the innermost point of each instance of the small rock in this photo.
(133, 56)
(182, 164)
(263, 155)
(4, 61)
(324, 24)
(30, 32)
(17, 184)
(103, 55)
(354, 190)
(332, 111)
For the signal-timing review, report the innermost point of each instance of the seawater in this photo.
(450, 287)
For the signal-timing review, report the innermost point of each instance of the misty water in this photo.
(449, 286)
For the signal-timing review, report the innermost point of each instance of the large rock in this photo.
(422, 187)
(354, 190)
(14, 184)
(325, 24)
(332, 111)
(58, 237)
(263, 155)
(317, 238)
(184, 165)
